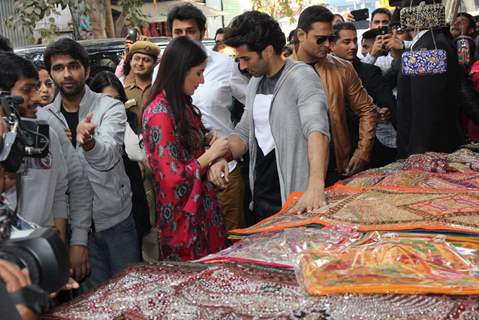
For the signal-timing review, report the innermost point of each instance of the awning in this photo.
(158, 12)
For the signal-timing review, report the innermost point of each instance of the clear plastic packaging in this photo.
(280, 249)
(390, 264)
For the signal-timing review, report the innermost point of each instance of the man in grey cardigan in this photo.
(96, 124)
(285, 126)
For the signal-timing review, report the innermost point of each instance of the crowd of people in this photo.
(196, 142)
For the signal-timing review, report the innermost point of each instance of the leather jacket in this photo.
(342, 85)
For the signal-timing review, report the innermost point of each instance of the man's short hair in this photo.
(470, 18)
(343, 26)
(5, 44)
(256, 30)
(219, 31)
(314, 14)
(65, 46)
(186, 12)
(381, 11)
(14, 67)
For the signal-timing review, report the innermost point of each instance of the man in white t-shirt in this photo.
(214, 98)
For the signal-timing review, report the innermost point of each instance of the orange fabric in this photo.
(324, 216)
(390, 264)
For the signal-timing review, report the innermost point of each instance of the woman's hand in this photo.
(211, 137)
(218, 148)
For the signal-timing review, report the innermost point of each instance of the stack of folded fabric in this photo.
(399, 242)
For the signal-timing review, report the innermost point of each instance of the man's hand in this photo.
(313, 198)
(218, 173)
(355, 165)
(348, 17)
(378, 47)
(395, 45)
(384, 115)
(85, 131)
(393, 42)
(13, 277)
(79, 263)
(14, 280)
(68, 133)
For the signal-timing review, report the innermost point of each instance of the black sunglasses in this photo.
(321, 39)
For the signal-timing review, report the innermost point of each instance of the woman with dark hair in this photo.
(107, 83)
(46, 87)
(189, 218)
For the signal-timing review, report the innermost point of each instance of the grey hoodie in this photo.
(298, 108)
(103, 164)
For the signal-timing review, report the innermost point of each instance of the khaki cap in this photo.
(145, 47)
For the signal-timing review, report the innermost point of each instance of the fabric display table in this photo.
(399, 242)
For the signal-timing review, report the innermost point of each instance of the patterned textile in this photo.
(389, 264)
(423, 17)
(373, 210)
(431, 162)
(194, 291)
(424, 62)
(188, 214)
(421, 192)
(280, 249)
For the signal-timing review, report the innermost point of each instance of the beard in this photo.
(73, 91)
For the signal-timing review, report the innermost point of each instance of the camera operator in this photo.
(10, 275)
(43, 182)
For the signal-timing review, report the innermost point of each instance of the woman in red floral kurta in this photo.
(188, 214)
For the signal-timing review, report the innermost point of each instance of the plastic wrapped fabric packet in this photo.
(388, 264)
(280, 249)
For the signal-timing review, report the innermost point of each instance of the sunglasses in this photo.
(321, 39)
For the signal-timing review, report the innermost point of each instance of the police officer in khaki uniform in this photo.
(143, 57)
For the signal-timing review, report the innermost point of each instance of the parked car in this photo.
(105, 54)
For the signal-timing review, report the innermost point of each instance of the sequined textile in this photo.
(423, 192)
(373, 210)
(194, 291)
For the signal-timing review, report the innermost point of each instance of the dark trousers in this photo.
(110, 251)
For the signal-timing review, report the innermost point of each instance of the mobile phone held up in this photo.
(361, 14)
(384, 30)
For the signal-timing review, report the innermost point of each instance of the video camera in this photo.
(25, 137)
(41, 250)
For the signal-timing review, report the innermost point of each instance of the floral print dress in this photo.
(188, 213)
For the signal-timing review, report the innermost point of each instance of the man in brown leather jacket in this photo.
(351, 146)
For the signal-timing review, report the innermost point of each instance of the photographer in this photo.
(379, 53)
(12, 278)
(48, 208)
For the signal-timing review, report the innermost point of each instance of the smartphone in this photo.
(361, 14)
(384, 30)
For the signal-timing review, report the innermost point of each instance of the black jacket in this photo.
(375, 85)
(428, 106)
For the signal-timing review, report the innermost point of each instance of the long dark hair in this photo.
(179, 57)
(107, 79)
